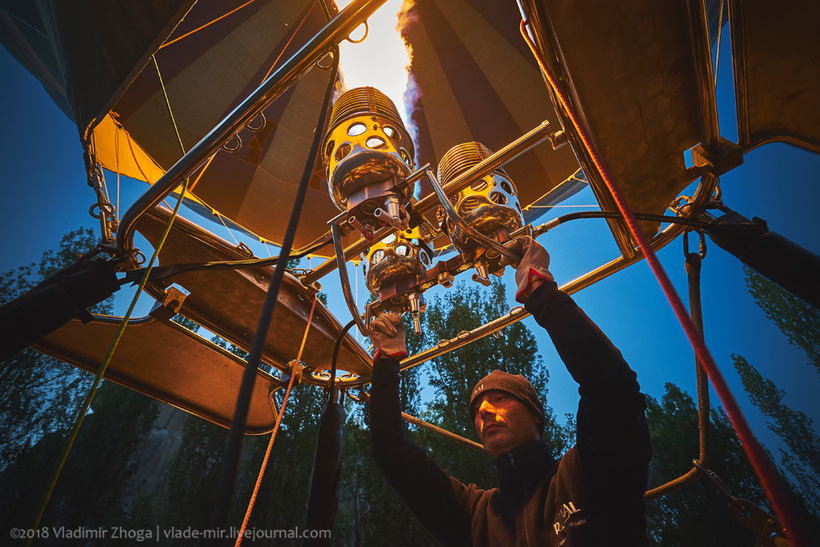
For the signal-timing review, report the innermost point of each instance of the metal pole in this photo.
(702, 54)
(519, 146)
(278, 82)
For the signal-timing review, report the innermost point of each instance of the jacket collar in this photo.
(524, 464)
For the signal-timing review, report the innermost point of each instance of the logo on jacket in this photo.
(569, 518)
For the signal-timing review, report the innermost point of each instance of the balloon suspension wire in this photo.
(233, 446)
(751, 446)
(117, 156)
(294, 372)
(109, 355)
(209, 23)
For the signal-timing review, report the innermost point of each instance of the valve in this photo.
(489, 205)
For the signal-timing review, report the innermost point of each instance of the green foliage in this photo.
(799, 321)
(96, 475)
(40, 394)
(794, 427)
(454, 374)
(193, 478)
(369, 509)
(284, 492)
(695, 514)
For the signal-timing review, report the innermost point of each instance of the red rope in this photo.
(754, 452)
(264, 465)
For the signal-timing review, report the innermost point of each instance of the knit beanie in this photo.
(514, 384)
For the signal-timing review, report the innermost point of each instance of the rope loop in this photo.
(329, 65)
(296, 371)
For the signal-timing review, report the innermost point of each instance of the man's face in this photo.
(503, 422)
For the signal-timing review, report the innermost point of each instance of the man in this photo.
(592, 496)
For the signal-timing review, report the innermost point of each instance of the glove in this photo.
(533, 266)
(387, 335)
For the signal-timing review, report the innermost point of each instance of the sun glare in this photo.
(382, 60)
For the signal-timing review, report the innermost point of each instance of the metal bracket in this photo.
(726, 157)
(170, 305)
(296, 369)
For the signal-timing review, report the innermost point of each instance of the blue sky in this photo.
(45, 195)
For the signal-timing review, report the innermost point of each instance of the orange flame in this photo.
(383, 59)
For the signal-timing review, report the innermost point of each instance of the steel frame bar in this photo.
(704, 192)
(739, 71)
(276, 84)
(547, 44)
(409, 418)
(345, 281)
(519, 146)
(702, 55)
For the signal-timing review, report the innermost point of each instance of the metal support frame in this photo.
(410, 419)
(518, 313)
(519, 146)
(304, 60)
(276, 84)
(702, 54)
(739, 70)
(552, 55)
(550, 51)
(453, 215)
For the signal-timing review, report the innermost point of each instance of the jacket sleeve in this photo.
(438, 500)
(612, 435)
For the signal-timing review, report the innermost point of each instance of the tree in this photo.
(370, 510)
(40, 394)
(38, 406)
(798, 320)
(92, 485)
(793, 427)
(454, 374)
(695, 514)
(800, 323)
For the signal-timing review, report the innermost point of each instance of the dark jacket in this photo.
(592, 496)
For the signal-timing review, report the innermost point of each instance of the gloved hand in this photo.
(533, 266)
(387, 335)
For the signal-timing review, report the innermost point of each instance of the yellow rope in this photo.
(293, 375)
(121, 330)
(87, 403)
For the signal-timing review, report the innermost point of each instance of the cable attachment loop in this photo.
(105, 210)
(95, 179)
(701, 243)
(263, 121)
